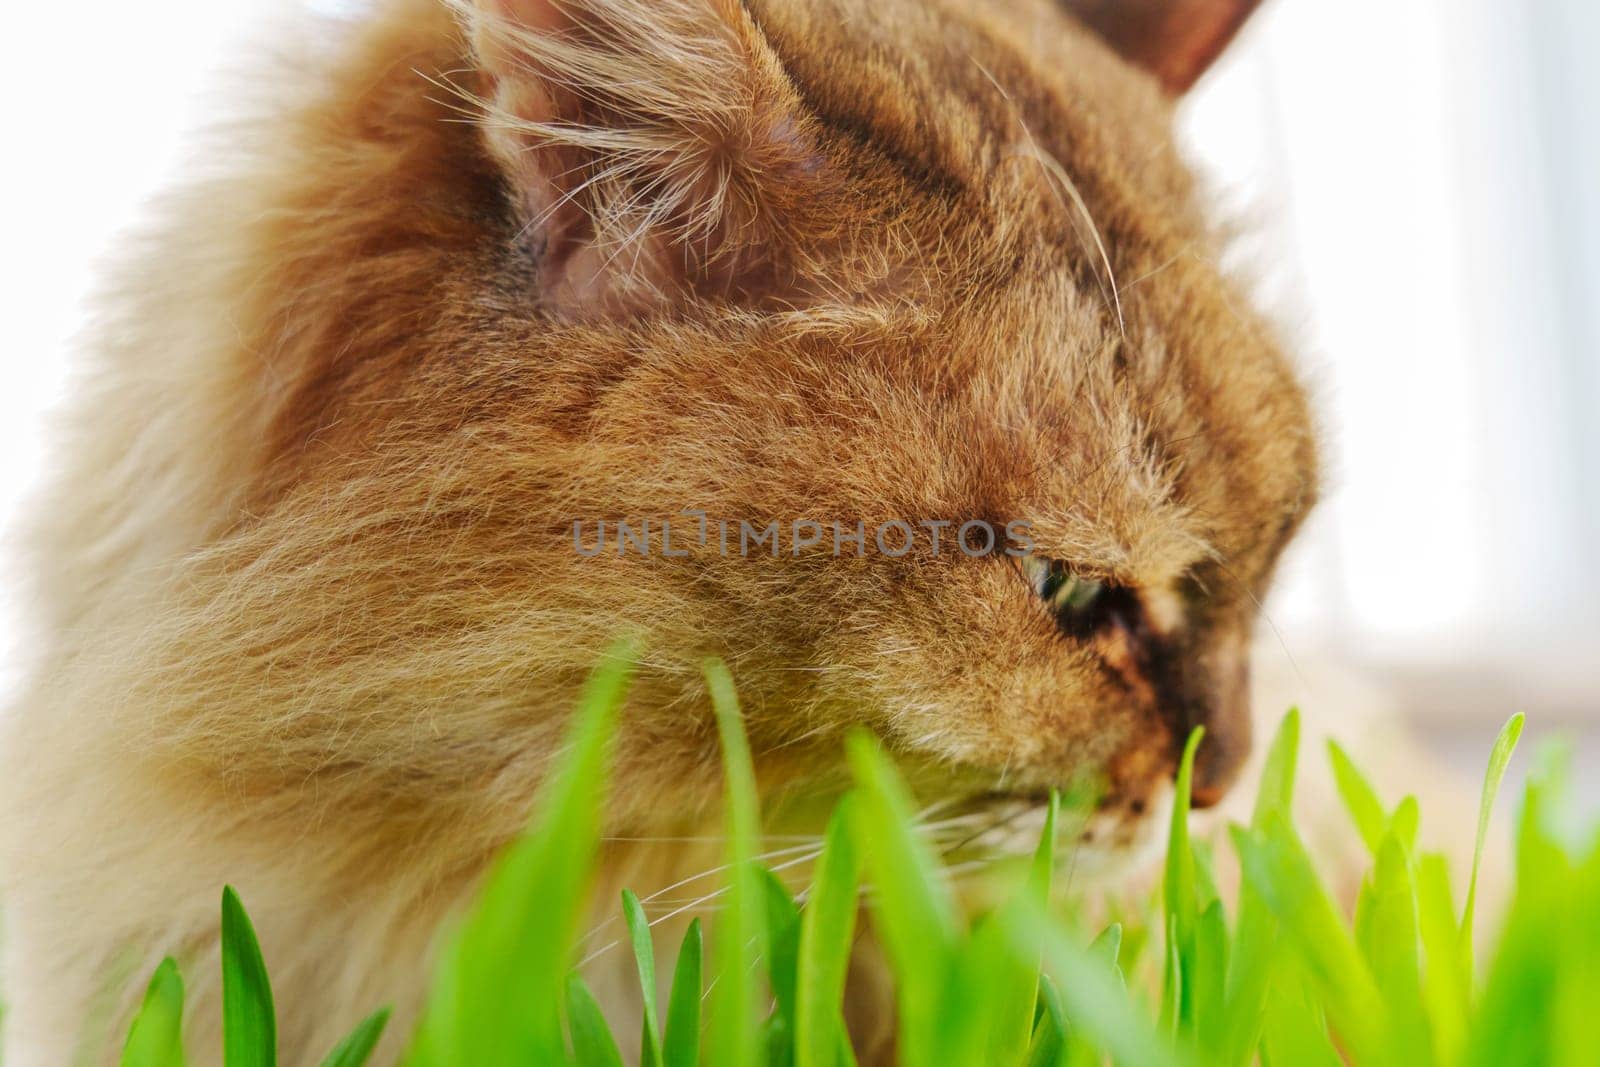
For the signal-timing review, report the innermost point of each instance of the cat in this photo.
(319, 576)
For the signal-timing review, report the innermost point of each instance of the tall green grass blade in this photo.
(680, 1047)
(735, 1038)
(1525, 976)
(1256, 949)
(645, 959)
(1499, 758)
(1573, 1025)
(592, 1042)
(1390, 941)
(1360, 799)
(356, 1049)
(1445, 988)
(783, 947)
(1016, 982)
(1172, 981)
(972, 1009)
(1042, 873)
(1275, 792)
(250, 1026)
(1294, 1033)
(1049, 1046)
(1179, 896)
(911, 909)
(1206, 976)
(1205, 874)
(1276, 864)
(1107, 945)
(827, 929)
(1094, 1000)
(1405, 823)
(777, 1039)
(156, 1037)
(497, 996)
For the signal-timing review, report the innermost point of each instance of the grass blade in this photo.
(911, 908)
(1042, 873)
(1445, 989)
(592, 1042)
(783, 946)
(1179, 897)
(356, 1049)
(645, 958)
(1205, 976)
(1499, 758)
(1405, 823)
(1391, 944)
(1094, 1000)
(735, 1037)
(1255, 950)
(250, 1026)
(156, 1037)
(1049, 1047)
(1360, 799)
(1276, 863)
(1276, 790)
(827, 928)
(1529, 975)
(972, 1004)
(497, 995)
(1294, 1033)
(681, 1045)
(1016, 987)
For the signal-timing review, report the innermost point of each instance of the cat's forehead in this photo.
(949, 90)
(1025, 151)
(1124, 392)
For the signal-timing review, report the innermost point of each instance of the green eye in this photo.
(1068, 596)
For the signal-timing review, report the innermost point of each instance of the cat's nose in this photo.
(1219, 760)
(1227, 721)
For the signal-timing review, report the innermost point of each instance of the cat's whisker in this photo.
(934, 808)
(698, 902)
(1064, 180)
(996, 822)
(937, 833)
(1261, 610)
(1152, 272)
(809, 845)
(703, 839)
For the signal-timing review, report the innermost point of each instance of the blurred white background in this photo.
(1420, 184)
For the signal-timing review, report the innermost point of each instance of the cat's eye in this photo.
(1071, 598)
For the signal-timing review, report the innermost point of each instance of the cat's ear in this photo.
(1176, 40)
(652, 146)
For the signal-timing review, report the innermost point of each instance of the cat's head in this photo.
(817, 263)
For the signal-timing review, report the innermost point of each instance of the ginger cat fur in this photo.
(312, 615)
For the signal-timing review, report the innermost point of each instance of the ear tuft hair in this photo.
(649, 141)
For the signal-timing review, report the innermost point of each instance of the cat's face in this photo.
(809, 261)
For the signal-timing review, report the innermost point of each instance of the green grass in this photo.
(1278, 976)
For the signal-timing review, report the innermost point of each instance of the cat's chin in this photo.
(1118, 845)
(1114, 844)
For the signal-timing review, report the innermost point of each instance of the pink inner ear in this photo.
(793, 149)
